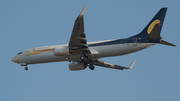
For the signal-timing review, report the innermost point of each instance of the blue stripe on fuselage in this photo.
(123, 41)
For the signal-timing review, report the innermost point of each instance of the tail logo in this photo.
(152, 25)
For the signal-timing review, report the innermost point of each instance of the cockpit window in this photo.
(19, 53)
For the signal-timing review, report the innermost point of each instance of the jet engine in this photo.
(63, 51)
(77, 66)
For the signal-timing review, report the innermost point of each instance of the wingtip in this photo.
(164, 7)
(132, 65)
(83, 11)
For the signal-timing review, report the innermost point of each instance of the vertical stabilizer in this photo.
(155, 33)
(158, 19)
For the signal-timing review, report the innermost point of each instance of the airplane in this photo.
(81, 53)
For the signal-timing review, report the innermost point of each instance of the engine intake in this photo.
(77, 66)
(63, 51)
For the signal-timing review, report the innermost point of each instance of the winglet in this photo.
(131, 66)
(82, 12)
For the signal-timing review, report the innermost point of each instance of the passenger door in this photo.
(135, 42)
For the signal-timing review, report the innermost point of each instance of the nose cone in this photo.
(13, 59)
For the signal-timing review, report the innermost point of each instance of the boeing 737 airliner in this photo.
(81, 53)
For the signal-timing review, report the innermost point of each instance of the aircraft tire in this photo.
(26, 68)
(91, 67)
(82, 58)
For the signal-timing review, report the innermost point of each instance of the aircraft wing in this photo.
(78, 41)
(113, 66)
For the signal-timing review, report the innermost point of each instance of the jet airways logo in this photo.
(152, 25)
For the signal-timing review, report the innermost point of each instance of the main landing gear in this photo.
(84, 59)
(91, 67)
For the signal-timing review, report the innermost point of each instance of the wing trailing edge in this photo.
(113, 66)
(78, 41)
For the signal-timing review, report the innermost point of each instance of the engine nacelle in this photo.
(77, 66)
(63, 51)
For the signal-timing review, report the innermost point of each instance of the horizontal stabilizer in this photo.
(166, 43)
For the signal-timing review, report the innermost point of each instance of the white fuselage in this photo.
(46, 54)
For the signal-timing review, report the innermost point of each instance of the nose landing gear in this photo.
(24, 64)
(26, 68)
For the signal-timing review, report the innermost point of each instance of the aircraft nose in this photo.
(13, 59)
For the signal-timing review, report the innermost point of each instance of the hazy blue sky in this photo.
(26, 24)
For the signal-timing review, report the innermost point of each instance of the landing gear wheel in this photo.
(26, 68)
(91, 67)
(82, 58)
